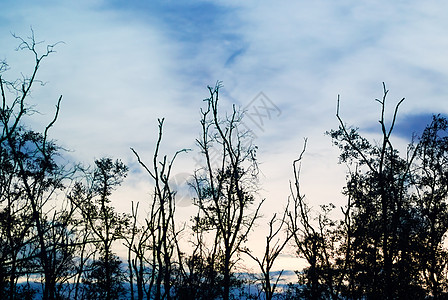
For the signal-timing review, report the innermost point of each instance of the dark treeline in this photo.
(58, 227)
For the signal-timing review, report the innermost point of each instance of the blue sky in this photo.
(123, 64)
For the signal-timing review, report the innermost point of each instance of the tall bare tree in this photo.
(160, 231)
(226, 185)
(31, 179)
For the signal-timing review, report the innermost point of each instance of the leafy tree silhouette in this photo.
(397, 210)
(104, 275)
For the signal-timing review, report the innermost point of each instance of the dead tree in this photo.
(31, 178)
(274, 247)
(318, 239)
(160, 224)
(226, 185)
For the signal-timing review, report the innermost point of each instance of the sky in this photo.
(121, 65)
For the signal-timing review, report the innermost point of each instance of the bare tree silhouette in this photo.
(225, 186)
